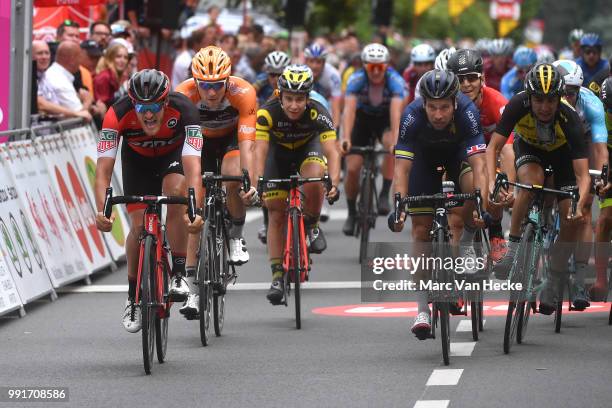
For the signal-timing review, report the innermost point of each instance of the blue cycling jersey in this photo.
(264, 90)
(359, 86)
(511, 84)
(314, 95)
(591, 111)
(464, 134)
(589, 73)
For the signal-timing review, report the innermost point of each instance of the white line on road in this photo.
(465, 325)
(432, 404)
(445, 377)
(238, 286)
(462, 349)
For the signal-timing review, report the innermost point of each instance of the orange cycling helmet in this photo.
(211, 64)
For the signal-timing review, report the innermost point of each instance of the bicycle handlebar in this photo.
(366, 150)
(501, 181)
(209, 178)
(401, 202)
(189, 201)
(603, 176)
(296, 181)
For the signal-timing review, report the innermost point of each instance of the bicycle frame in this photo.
(295, 206)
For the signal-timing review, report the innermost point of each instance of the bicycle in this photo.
(296, 260)
(523, 274)
(153, 269)
(440, 235)
(213, 268)
(368, 198)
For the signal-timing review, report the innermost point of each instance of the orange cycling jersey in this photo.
(237, 112)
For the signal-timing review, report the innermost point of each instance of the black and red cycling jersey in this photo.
(180, 128)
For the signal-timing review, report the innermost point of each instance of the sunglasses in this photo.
(587, 51)
(473, 77)
(216, 86)
(149, 107)
(376, 67)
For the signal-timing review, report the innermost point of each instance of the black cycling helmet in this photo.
(465, 61)
(149, 86)
(605, 93)
(544, 80)
(439, 84)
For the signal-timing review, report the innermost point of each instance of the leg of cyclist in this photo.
(603, 229)
(275, 201)
(466, 240)
(238, 253)
(584, 231)
(388, 141)
(421, 226)
(131, 316)
(499, 246)
(360, 136)
(174, 184)
(313, 201)
(529, 171)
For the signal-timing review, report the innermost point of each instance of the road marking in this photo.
(445, 377)
(237, 287)
(462, 349)
(432, 404)
(465, 325)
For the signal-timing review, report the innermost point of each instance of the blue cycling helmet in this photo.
(590, 40)
(439, 84)
(524, 57)
(315, 51)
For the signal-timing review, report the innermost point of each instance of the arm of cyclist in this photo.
(596, 117)
(108, 142)
(601, 157)
(575, 138)
(494, 148)
(348, 121)
(395, 115)
(262, 143)
(247, 122)
(336, 110)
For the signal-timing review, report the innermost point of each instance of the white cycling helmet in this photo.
(500, 46)
(422, 53)
(443, 57)
(572, 73)
(544, 56)
(375, 54)
(276, 62)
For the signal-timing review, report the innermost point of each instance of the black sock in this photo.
(495, 230)
(265, 213)
(386, 186)
(131, 289)
(190, 271)
(352, 206)
(178, 263)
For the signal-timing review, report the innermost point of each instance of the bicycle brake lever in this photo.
(246, 181)
(191, 204)
(397, 200)
(108, 203)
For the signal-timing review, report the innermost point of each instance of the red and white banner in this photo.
(82, 143)
(45, 20)
(505, 10)
(16, 240)
(74, 202)
(39, 201)
(9, 297)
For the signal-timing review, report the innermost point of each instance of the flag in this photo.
(420, 6)
(456, 7)
(505, 26)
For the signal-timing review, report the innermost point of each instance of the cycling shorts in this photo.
(367, 127)
(215, 149)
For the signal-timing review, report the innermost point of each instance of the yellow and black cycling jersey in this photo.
(274, 126)
(565, 128)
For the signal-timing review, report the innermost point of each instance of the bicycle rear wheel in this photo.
(203, 277)
(221, 272)
(559, 306)
(445, 331)
(161, 323)
(365, 209)
(475, 305)
(297, 265)
(443, 297)
(147, 298)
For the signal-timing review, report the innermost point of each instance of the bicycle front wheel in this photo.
(203, 277)
(222, 271)
(443, 297)
(161, 318)
(297, 266)
(147, 298)
(365, 208)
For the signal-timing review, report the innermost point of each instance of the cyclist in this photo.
(548, 131)
(227, 110)
(591, 111)
(373, 103)
(294, 133)
(327, 80)
(441, 129)
(512, 82)
(467, 64)
(590, 60)
(274, 64)
(162, 141)
(574, 41)
(422, 58)
(499, 61)
(439, 63)
(599, 290)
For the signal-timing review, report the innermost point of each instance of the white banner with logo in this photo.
(65, 180)
(83, 146)
(9, 297)
(16, 240)
(40, 202)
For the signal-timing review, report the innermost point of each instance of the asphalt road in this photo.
(346, 357)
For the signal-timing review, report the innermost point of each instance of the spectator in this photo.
(213, 14)
(211, 35)
(111, 73)
(182, 63)
(591, 61)
(68, 31)
(91, 52)
(100, 32)
(244, 68)
(60, 77)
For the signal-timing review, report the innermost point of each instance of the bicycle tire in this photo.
(365, 205)
(442, 306)
(221, 264)
(531, 263)
(204, 285)
(147, 287)
(161, 323)
(610, 317)
(481, 312)
(296, 259)
(474, 314)
(508, 327)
